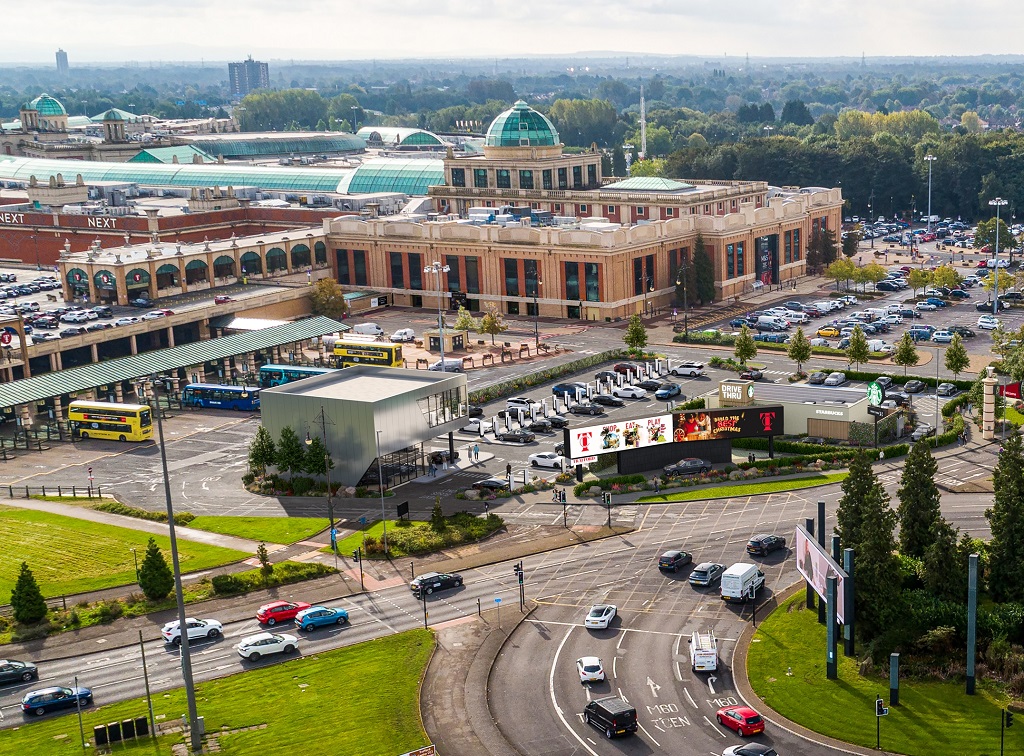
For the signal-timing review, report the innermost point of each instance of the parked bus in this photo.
(120, 422)
(243, 398)
(276, 375)
(348, 352)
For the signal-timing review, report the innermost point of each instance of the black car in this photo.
(817, 378)
(515, 436)
(649, 385)
(142, 302)
(688, 466)
(1012, 295)
(752, 375)
(17, 671)
(429, 582)
(987, 306)
(607, 375)
(914, 386)
(586, 408)
(673, 560)
(817, 440)
(884, 381)
(607, 400)
(764, 544)
(103, 311)
(491, 484)
(902, 398)
(440, 456)
(568, 389)
(946, 389)
(560, 448)
(93, 327)
(71, 332)
(964, 331)
(557, 421)
(540, 425)
(475, 411)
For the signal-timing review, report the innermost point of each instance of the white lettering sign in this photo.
(831, 413)
(102, 222)
(732, 392)
(12, 217)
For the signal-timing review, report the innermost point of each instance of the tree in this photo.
(746, 347)
(704, 271)
(918, 511)
(944, 566)
(946, 275)
(821, 249)
(851, 244)
(155, 578)
(799, 349)
(291, 452)
(686, 285)
(650, 167)
(266, 568)
(918, 279)
(636, 334)
(1006, 519)
(796, 112)
(840, 270)
(872, 273)
(492, 322)
(326, 298)
(957, 360)
(26, 598)
(857, 352)
(437, 521)
(878, 598)
(905, 353)
(855, 487)
(1005, 280)
(261, 451)
(466, 322)
(317, 461)
(985, 236)
(618, 161)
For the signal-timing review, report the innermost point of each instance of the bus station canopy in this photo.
(47, 385)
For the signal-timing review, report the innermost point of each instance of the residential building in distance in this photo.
(62, 62)
(247, 76)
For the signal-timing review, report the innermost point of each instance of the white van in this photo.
(450, 366)
(368, 329)
(403, 334)
(771, 323)
(742, 581)
(703, 652)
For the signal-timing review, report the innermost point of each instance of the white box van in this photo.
(771, 323)
(742, 581)
(368, 329)
(703, 652)
(403, 334)
(450, 366)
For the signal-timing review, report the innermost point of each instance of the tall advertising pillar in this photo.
(988, 412)
(972, 616)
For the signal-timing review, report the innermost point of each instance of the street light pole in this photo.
(380, 480)
(998, 202)
(682, 279)
(437, 269)
(322, 421)
(931, 159)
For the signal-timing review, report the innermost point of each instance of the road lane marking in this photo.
(687, 692)
(649, 735)
(551, 693)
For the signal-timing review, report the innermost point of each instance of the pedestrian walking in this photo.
(486, 507)
(555, 497)
(433, 470)
(508, 470)
(657, 485)
(476, 452)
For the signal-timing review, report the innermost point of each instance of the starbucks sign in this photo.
(876, 394)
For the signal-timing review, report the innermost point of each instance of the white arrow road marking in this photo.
(654, 687)
(710, 686)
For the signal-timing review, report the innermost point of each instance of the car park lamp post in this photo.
(536, 314)
(380, 480)
(997, 203)
(931, 159)
(135, 556)
(682, 277)
(322, 421)
(437, 269)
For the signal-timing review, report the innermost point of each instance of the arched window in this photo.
(137, 278)
(276, 260)
(251, 264)
(104, 279)
(223, 267)
(320, 253)
(300, 257)
(196, 271)
(168, 276)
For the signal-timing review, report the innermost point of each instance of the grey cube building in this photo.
(408, 408)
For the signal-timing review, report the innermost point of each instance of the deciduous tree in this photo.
(493, 322)
(858, 352)
(745, 347)
(636, 334)
(799, 349)
(957, 360)
(466, 322)
(261, 450)
(291, 452)
(918, 279)
(317, 461)
(905, 353)
(326, 298)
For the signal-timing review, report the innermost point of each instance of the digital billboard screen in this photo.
(713, 425)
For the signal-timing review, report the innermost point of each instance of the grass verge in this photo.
(53, 546)
(750, 489)
(268, 529)
(933, 717)
(411, 538)
(383, 718)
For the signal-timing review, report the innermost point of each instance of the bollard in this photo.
(479, 613)
(27, 496)
(44, 491)
(58, 491)
(412, 569)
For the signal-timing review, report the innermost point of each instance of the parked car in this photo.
(475, 424)
(964, 331)
(320, 616)
(765, 543)
(141, 302)
(741, 719)
(706, 573)
(557, 421)
(629, 392)
(570, 389)
(590, 669)
(440, 456)
(674, 559)
(224, 299)
(942, 337)
(627, 368)
(126, 321)
(925, 307)
(687, 466)
(600, 616)
(491, 484)
(752, 374)
(816, 342)
(586, 408)
(279, 611)
(688, 369)
(12, 670)
(540, 425)
(515, 436)
(835, 379)
(606, 375)
(922, 431)
(667, 391)
(650, 384)
(264, 644)
(429, 582)
(946, 389)
(207, 628)
(817, 378)
(547, 459)
(988, 306)
(959, 294)
(607, 400)
(914, 386)
(40, 701)
(988, 323)
(828, 332)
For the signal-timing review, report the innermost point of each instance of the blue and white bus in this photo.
(277, 375)
(242, 398)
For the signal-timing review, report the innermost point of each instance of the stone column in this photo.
(26, 415)
(134, 344)
(58, 410)
(226, 367)
(94, 353)
(170, 336)
(988, 414)
(55, 362)
(118, 392)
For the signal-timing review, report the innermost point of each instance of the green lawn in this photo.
(270, 529)
(933, 717)
(750, 489)
(68, 555)
(350, 543)
(298, 701)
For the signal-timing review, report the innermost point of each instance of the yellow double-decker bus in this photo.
(367, 353)
(119, 422)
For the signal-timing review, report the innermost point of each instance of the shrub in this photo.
(608, 483)
(108, 611)
(284, 574)
(36, 632)
(155, 578)
(115, 507)
(26, 598)
(225, 585)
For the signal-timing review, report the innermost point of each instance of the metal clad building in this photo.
(407, 407)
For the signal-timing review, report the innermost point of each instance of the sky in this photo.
(216, 30)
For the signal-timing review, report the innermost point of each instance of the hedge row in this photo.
(605, 484)
(691, 404)
(284, 573)
(114, 507)
(954, 405)
(787, 447)
(516, 386)
(896, 450)
(956, 427)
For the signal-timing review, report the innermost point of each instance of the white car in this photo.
(925, 307)
(475, 423)
(893, 319)
(819, 342)
(600, 616)
(126, 321)
(521, 403)
(547, 459)
(590, 669)
(988, 323)
(942, 337)
(629, 392)
(689, 369)
(154, 315)
(73, 317)
(262, 644)
(207, 628)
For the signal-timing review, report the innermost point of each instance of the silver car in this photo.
(835, 379)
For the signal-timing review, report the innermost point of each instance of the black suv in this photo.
(687, 466)
(673, 560)
(611, 715)
(764, 544)
(429, 582)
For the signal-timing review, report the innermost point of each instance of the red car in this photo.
(982, 264)
(222, 299)
(627, 367)
(744, 720)
(279, 611)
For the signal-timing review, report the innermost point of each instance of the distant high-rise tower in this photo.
(62, 62)
(643, 125)
(247, 76)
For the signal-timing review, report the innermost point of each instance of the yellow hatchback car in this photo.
(828, 332)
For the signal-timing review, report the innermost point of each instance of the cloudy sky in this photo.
(146, 30)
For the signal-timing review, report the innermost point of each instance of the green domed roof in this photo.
(47, 106)
(521, 126)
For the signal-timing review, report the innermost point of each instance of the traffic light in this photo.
(880, 710)
(1009, 719)
(607, 499)
(355, 555)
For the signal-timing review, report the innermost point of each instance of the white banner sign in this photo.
(815, 565)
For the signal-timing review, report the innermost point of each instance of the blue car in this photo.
(936, 301)
(320, 616)
(739, 322)
(40, 701)
(668, 391)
